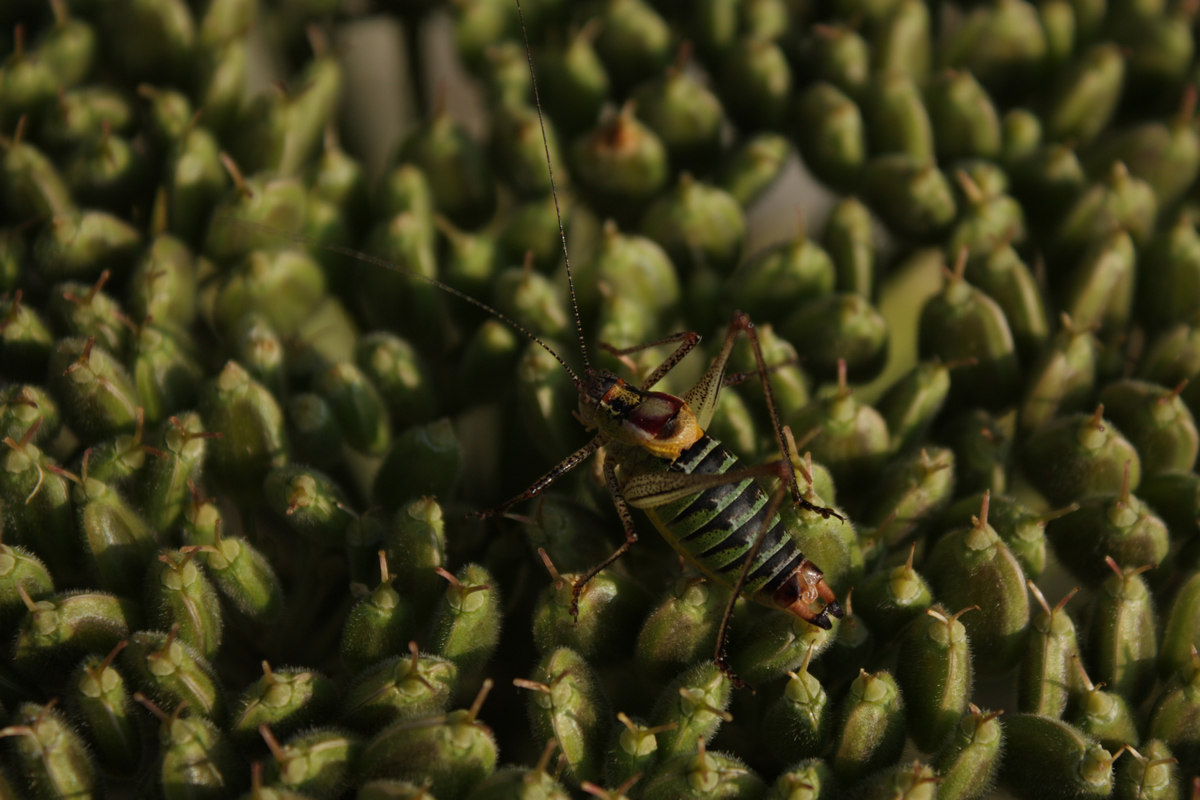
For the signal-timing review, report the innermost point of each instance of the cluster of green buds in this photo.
(254, 382)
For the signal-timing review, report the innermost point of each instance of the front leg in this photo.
(614, 489)
(543, 483)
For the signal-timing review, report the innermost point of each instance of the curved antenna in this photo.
(359, 255)
(562, 234)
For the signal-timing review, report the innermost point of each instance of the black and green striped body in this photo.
(715, 528)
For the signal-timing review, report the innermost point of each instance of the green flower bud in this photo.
(1164, 155)
(853, 437)
(57, 631)
(178, 593)
(889, 599)
(912, 196)
(774, 644)
(68, 48)
(479, 25)
(256, 214)
(777, 279)
(680, 630)
(634, 42)
(796, 724)
(1121, 203)
(1077, 455)
(1086, 95)
(897, 119)
(1120, 526)
(163, 284)
(599, 626)
(1122, 640)
(518, 151)
(358, 406)
(105, 171)
(696, 702)
(1063, 377)
(756, 83)
(164, 488)
(1099, 292)
(960, 323)
(620, 165)
(505, 75)
(313, 430)
(399, 688)
(754, 167)
(27, 409)
(902, 42)
(850, 241)
(25, 338)
(934, 670)
(98, 695)
(1048, 183)
(1175, 718)
(195, 179)
(244, 576)
(36, 509)
(172, 673)
(220, 82)
(466, 622)
(118, 541)
(470, 261)
(1157, 423)
(423, 460)
(52, 757)
(1004, 276)
(837, 53)
(912, 403)
(1160, 48)
(20, 572)
(450, 754)
(316, 763)
(912, 490)
(973, 566)
(250, 423)
(831, 133)
(697, 224)
(167, 27)
(965, 123)
(702, 774)
(32, 182)
(567, 703)
(170, 113)
(1104, 716)
(82, 244)
(1049, 758)
(196, 758)
(378, 624)
(1151, 775)
(967, 761)
(459, 177)
(79, 112)
(286, 700)
(545, 398)
(870, 726)
(310, 502)
(1021, 132)
(573, 81)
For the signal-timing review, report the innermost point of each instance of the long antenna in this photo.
(562, 234)
(377, 261)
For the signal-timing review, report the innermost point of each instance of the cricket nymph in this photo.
(650, 436)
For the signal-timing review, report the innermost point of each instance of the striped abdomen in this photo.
(715, 528)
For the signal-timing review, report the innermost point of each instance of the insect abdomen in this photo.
(715, 528)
